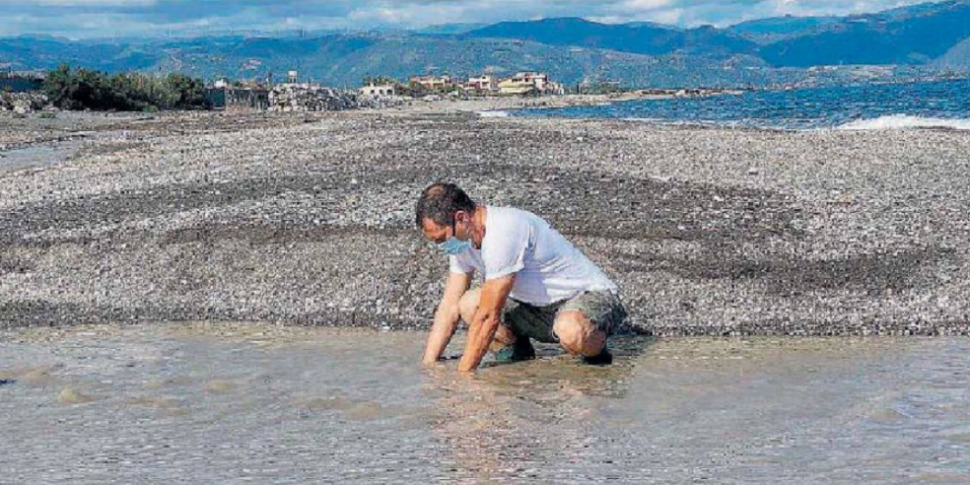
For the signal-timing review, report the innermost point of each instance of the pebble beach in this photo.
(306, 218)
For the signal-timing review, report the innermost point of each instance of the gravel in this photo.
(306, 219)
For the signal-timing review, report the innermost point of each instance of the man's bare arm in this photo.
(482, 328)
(446, 316)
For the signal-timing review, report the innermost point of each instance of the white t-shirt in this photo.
(547, 267)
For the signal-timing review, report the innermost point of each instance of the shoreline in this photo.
(501, 103)
(212, 216)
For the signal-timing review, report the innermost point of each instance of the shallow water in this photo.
(36, 156)
(234, 403)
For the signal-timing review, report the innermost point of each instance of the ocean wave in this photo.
(895, 122)
(493, 114)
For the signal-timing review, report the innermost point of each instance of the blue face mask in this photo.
(454, 246)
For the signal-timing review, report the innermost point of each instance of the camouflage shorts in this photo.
(603, 308)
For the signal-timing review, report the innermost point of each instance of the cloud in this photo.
(106, 18)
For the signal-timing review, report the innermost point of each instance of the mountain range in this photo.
(924, 38)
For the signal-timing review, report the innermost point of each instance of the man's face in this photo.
(440, 233)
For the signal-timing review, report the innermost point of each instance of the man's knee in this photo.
(578, 335)
(469, 304)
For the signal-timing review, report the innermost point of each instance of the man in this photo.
(548, 289)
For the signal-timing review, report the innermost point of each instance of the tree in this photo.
(86, 89)
(190, 91)
(379, 80)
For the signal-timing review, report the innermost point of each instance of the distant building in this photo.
(517, 87)
(379, 90)
(538, 79)
(307, 85)
(525, 83)
(558, 89)
(223, 96)
(483, 84)
(433, 83)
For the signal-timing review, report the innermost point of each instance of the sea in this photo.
(933, 104)
(251, 402)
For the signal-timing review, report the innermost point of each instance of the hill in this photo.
(765, 52)
(911, 35)
(639, 38)
(769, 30)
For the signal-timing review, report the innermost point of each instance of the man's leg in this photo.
(578, 335)
(583, 324)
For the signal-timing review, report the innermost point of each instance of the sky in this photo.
(127, 18)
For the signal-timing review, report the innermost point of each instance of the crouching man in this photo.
(536, 284)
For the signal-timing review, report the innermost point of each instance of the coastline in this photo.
(501, 103)
(304, 218)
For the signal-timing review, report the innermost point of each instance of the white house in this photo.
(379, 89)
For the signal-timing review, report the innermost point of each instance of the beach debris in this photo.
(312, 97)
(23, 103)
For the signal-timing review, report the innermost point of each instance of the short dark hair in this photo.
(439, 202)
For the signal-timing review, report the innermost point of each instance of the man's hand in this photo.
(446, 317)
(482, 328)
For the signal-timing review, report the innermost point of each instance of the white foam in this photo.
(493, 114)
(896, 122)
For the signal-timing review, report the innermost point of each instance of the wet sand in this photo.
(234, 402)
(306, 219)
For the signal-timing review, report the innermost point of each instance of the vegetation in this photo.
(411, 89)
(417, 90)
(378, 80)
(87, 89)
(599, 87)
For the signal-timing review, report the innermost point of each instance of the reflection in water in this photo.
(223, 403)
(511, 420)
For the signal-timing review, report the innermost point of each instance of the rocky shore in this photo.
(22, 103)
(306, 219)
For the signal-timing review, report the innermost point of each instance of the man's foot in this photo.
(521, 350)
(604, 358)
